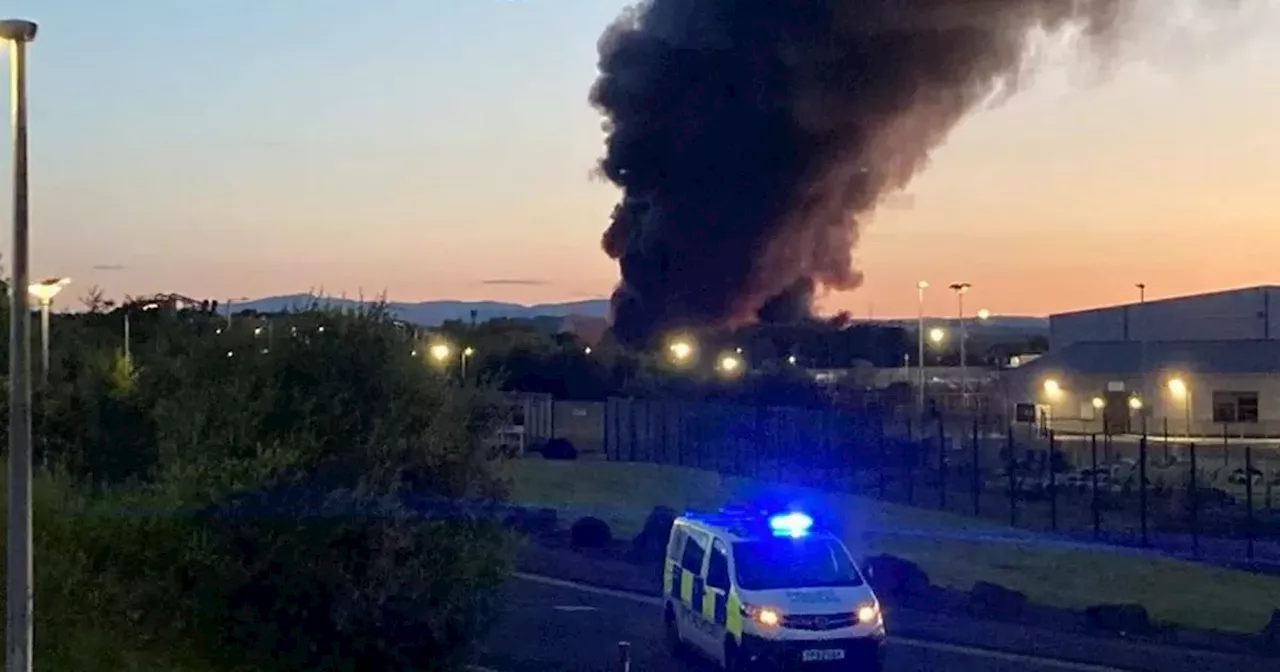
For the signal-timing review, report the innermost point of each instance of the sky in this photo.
(443, 149)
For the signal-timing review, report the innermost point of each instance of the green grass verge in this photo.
(1173, 591)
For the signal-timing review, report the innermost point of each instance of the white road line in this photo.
(478, 668)
(1001, 655)
(573, 607)
(914, 643)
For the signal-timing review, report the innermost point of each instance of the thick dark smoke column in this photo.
(750, 136)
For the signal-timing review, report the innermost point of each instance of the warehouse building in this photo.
(1197, 365)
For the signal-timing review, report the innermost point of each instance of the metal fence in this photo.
(1217, 500)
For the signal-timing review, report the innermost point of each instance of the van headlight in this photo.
(762, 615)
(868, 613)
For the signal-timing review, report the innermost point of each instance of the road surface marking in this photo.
(478, 668)
(573, 607)
(1001, 655)
(590, 590)
(914, 643)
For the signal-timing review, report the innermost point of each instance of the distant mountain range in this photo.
(434, 313)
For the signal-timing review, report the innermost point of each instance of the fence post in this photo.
(1142, 486)
(884, 456)
(1166, 439)
(1226, 444)
(631, 426)
(1053, 484)
(1193, 494)
(604, 431)
(624, 657)
(942, 472)
(908, 463)
(1010, 466)
(1249, 531)
(1093, 486)
(977, 472)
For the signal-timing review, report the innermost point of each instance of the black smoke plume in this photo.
(750, 137)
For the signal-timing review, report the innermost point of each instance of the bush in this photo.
(239, 503)
(559, 449)
(590, 533)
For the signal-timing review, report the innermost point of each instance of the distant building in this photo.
(1200, 364)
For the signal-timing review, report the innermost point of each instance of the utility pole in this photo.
(920, 287)
(1142, 357)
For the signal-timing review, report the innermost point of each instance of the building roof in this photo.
(1126, 357)
(1171, 299)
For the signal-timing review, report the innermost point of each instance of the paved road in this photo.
(547, 627)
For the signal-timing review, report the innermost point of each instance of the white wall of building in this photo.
(1245, 314)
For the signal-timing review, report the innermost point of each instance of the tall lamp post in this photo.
(44, 292)
(960, 288)
(920, 287)
(19, 598)
(230, 303)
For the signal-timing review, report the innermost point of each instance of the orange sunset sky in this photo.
(429, 147)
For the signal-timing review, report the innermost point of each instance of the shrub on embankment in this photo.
(237, 504)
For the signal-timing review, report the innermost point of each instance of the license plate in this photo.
(822, 655)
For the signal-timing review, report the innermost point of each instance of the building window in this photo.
(1235, 407)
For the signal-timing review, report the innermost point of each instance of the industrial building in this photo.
(1199, 365)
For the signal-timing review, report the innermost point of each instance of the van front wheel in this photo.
(672, 634)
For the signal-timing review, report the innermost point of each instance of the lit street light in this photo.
(1135, 403)
(937, 335)
(730, 365)
(1099, 403)
(44, 292)
(467, 353)
(440, 352)
(20, 592)
(681, 350)
(984, 314)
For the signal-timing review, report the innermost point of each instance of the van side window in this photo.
(694, 552)
(718, 567)
(676, 546)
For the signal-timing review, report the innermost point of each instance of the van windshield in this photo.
(776, 564)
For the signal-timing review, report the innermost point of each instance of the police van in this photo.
(750, 590)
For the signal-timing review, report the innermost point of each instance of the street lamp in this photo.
(937, 335)
(467, 353)
(960, 288)
(44, 292)
(230, 303)
(20, 591)
(984, 314)
(920, 287)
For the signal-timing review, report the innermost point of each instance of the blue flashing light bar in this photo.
(794, 524)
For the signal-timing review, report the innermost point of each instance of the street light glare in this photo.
(681, 350)
(440, 351)
(937, 335)
(1052, 388)
(923, 284)
(468, 351)
(45, 290)
(984, 314)
(730, 364)
(1135, 403)
(1099, 403)
(1178, 387)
